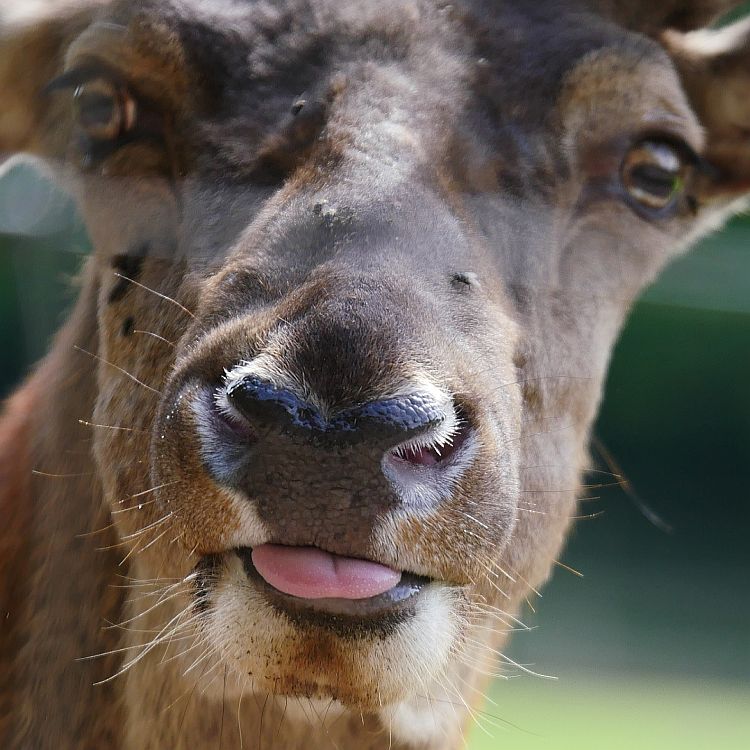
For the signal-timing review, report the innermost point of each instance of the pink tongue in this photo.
(310, 573)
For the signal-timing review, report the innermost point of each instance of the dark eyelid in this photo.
(81, 74)
(684, 149)
(697, 162)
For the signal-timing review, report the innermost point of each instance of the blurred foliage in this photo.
(743, 9)
(644, 714)
(42, 245)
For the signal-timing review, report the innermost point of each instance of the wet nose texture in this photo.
(379, 423)
(316, 479)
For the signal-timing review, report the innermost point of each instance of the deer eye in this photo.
(104, 110)
(654, 175)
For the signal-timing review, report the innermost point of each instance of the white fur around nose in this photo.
(264, 367)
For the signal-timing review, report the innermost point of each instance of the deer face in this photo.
(359, 270)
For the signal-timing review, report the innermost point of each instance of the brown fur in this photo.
(15, 480)
(443, 213)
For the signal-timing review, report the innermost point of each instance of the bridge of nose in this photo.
(351, 336)
(347, 341)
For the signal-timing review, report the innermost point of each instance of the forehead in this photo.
(232, 56)
(482, 101)
(487, 114)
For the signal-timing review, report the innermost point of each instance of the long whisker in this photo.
(38, 473)
(117, 367)
(154, 489)
(153, 541)
(110, 426)
(150, 526)
(139, 506)
(156, 336)
(153, 291)
(568, 568)
(146, 650)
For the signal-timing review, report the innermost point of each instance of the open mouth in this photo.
(310, 584)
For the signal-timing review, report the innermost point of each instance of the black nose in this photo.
(390, 420)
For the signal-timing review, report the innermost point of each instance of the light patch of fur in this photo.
(27, 12)
(711, 42)
(383, 668)
(265, 367)
(425, 487)
(250, 531)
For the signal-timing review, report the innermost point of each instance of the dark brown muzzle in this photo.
(328, 419)
(320, 477)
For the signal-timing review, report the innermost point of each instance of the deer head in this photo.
(358, 270)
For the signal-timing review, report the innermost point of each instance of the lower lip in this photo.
(399, 600)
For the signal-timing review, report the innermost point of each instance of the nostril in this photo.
(432, 450)
(427, 455)
(261, 402)
(213, 414)
(426, 469)
(237, 427)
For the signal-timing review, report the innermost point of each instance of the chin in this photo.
(366, 654)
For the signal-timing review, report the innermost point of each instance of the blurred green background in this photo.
(651, 648)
